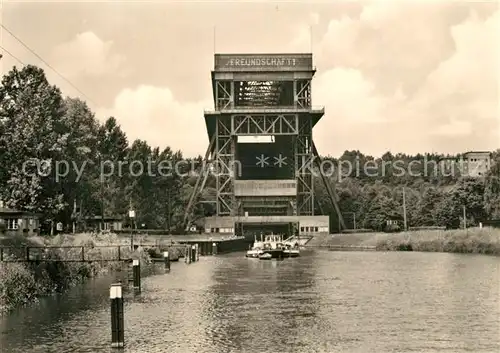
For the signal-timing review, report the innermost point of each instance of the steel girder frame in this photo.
(303, 165)
(303, 93)
(329, 189)
(224, 94)
(202, 178)
(265, 124)
(225, 167)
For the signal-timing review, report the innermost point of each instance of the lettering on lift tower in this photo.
(255, 62)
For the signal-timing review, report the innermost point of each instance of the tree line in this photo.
(39, 125)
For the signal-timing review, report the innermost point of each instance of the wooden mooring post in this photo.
(193, 253)
(136, 270)
(117, 316)
(187, 254)
(167, 260)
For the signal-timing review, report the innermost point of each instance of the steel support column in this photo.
(224, 94)
(224, 167)
(197, 189)
(302, 93)
(331, 191)
(303, 166)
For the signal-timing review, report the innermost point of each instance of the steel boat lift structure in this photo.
(263, 96)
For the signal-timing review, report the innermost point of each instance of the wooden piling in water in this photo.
(167, 260)
(136, 269)
(117, 316)
(193, 253)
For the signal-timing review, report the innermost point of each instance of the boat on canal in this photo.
(256, 249)
(292, 246)
(272, 247)
(290, 251)
(265, 256)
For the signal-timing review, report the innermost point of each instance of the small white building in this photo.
(18, 222)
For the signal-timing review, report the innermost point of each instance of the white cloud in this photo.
(410, 78)
(153, 114)
(305, 34)
(454, 128)
(392, 43)
(87, 54)
(314, 17)
(339, 88)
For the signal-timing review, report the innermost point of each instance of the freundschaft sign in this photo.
(257, 62)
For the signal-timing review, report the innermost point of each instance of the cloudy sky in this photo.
(393, 76)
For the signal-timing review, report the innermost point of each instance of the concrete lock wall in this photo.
(307, 224)
(265, 187)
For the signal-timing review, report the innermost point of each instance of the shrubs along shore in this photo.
(472, 241)
(24, 282)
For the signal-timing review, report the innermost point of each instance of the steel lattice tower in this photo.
(261, 149)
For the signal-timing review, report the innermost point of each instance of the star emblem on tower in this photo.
(262, 161)
(280, 160)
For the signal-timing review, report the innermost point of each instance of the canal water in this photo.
(321, 302)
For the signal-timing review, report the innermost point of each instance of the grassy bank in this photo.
(24, 283)
(472, 240)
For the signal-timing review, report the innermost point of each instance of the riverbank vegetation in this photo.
(38, 124)
(471, 241)
(24, 282)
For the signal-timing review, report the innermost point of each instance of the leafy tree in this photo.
(110, 171)
(427, 207)
(382, 208)
(33, 130)
(447, 212)
(469, 192)
(81, 154)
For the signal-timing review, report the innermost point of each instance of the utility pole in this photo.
(102, 204)
(74, 216)
(131, 215)
(465, 217)
(80, 215)
(101, 178)
(169, 210)
(404, 209)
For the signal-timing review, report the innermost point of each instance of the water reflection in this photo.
(408, 302)
(259, 304)
(323, 302)
(56, 311)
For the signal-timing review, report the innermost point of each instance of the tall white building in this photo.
(477, 163)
